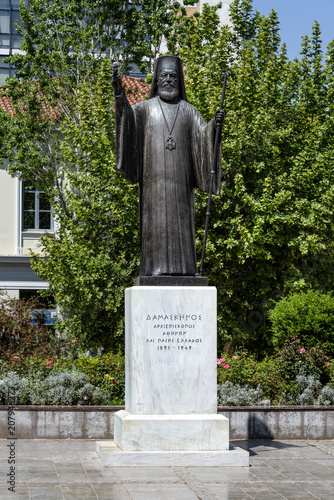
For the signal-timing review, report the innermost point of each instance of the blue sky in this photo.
(297, 18)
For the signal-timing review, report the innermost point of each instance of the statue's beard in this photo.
(168, 93)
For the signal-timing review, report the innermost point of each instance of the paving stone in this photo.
(49, 491)
(111, 491)
(42, 477)
(292, 491)
(64, 470)
(144, 492)
(228, 491)
(179, 491)
(104, 476)
(79, 491)
(260, 491)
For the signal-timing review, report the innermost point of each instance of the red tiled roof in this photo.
(137, 90)
(5, 103)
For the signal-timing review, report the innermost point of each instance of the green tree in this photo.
(310, 315)
(95, 252)
(60, 136)
(272, 226)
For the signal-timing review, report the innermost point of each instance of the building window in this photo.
(10, 40)
(45, 306)
(36, 210)
(44, 302)
(6, 70)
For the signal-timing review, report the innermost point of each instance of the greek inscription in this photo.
(173, 329)
(174, 317)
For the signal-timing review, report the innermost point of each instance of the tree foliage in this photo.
(95, 251)
(310, 314)
(272, 225)
(61, 136)
(22, 331)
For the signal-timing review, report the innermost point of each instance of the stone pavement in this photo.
(71, 469)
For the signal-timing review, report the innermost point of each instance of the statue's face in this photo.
(168, 84)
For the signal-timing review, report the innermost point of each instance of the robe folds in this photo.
(167, 178)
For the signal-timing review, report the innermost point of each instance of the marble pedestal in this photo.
(170, 415)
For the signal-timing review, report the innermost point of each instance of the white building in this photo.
(223, 11)
(24, 215)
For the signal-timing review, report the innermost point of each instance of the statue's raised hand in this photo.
(219, 117)
(116, 78)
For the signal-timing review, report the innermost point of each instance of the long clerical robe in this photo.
(167, 178)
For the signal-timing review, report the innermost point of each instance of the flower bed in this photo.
(71, 380)
(295, 376)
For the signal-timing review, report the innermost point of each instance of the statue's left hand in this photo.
(219, 117)
(116, 78)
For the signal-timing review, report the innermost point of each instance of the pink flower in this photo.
(74, 341)
(16, 357)
(226, 366)
(302, 350)
(220, 361)
(327, 363)
(49, 362)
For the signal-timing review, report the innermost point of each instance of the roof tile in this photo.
(137, 90)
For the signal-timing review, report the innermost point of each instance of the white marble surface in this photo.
(170, 347)
(112, 456)
(171, 432)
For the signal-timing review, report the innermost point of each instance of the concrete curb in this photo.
(97, 422)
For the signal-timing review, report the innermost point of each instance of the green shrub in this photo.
(58, 388)
(106, 374)
(326, 396)
(238, 369)
(310, 314)
(230, 394)
(277, 375)
(269, 376)
(19, 336)
(294, 359)
(14, 387)
(66, 388)
(308, 391)
(243, 369)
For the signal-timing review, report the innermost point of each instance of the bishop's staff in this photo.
(214, 166)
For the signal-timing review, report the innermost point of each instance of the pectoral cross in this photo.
(170, 143)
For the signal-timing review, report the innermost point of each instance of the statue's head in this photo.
(168, 80)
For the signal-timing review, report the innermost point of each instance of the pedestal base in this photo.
(112, 456)
(170, 380)
(198, 432)
(161, 280)
(171, 350)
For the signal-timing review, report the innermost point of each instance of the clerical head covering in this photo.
(172, 62)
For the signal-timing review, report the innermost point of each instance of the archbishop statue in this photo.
(165, 146)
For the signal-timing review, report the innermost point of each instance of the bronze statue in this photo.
(165, 145)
